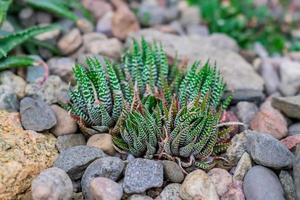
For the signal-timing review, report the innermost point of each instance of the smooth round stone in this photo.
(172, 171)
(103, 188)
(103, 142)
(171, 191)
(65, 123)
(66, 141)
(261, 183)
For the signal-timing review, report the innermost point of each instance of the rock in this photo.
(142, 174)
(14, 82)
(296, 171)
(97, 7)
(52, 183)
(267, 151)
(103, 142)
(171, 191)
(172, 171)
(288, 89)
(123, 21)
(23, 155)
(108, 167)
(34, 73)
(139, 197)
(50, 35)
(270, 76)
(269, 120)
(70, 42)
(221, 179)
(150, 14)
(36, 115)
(235, 191)
(66, 141)
(84, 25)
(261, 184)
(237, 148)
(223, 41)
(62, 67)
(290, 106)
(104, 25)
(197, 185)
(251, 95)
(103, 188)
(188, 14)
(294, 129)
(65, 123)
(246, 111)
(289, 71)
(74, 160)
(240, 76)
(288, 185)
(291, 141)
(77, 196)
(8, 99)
(110, 47)
(242, 167)
(197, 29)
(90, 38)
(53, 90)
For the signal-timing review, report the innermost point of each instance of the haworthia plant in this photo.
(9, 42)
(4, 5)
(56, 7)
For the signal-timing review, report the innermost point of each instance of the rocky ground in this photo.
(43, 154)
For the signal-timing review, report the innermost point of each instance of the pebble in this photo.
(110, 47)
(237, 148)
(65, 123)
(270, 76)
(16, 83)
(104, 24)
(103, 188)
(221, 179)
(139, 197)
(97, 7)
(246, 111)
(294, 129)
(34, 73)
(53, 90)
(8, 99)
(172, 171)
(289, 71)
(66, 141)
(36, 115)
(223, 41)
(74, 160)
(291, 141)
(261, 183)
(70, 41)
(52, 183)
(250, 95)
(269, 120)
(235, 191)
(296, 171)
(108, 167)
(142, 174)
(170, 192)
(85, 25)
(197, 185)
(267, 151)
(103, 142)
(124, 21)
(151, 14)
(244, 164)
(290, 106)
(189, 14)
(62, 67)
(288, 185)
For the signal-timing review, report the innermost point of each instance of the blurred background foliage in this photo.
(249, 22)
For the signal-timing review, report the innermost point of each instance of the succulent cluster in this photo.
(150, 108)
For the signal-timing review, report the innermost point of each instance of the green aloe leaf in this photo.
(4, 5)
(9, 42)
(58, 8)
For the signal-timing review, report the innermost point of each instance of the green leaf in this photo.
(16, 62)
(4, 5)
(9, 42)
(58, 8)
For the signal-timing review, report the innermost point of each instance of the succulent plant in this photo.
(185, 129)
